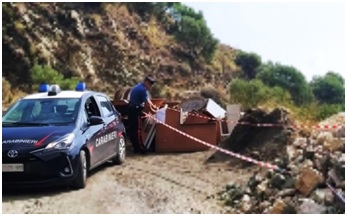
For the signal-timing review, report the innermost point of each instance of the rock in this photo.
(289, 182)
(308, 180)
(277, 208)
(264, 205)
(286, 192)
(308, 206)
(336, 178)
(277, 181)
(292, 152)
(306, 163)
(262, 187)
(340, 133)
(324, 136)
(333, 144)
(300, 142)
(319, 195)
(246, 204)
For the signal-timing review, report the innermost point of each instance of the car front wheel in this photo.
(120, 157)
(80, 181)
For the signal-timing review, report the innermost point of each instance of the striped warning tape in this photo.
(340, 196)
(248, 159)
(326, 127)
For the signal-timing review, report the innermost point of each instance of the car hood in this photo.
(32, 137)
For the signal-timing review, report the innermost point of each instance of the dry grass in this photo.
(97, 19)
(9, 95)
(155, 34)
(224, 58)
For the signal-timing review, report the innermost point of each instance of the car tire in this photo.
(81, 178)
(120, 157)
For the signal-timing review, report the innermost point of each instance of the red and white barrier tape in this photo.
(266, 124)
(340, 196)
(251, 160)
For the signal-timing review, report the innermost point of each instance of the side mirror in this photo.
(96, 120)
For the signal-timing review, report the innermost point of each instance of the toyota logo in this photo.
(12, 153)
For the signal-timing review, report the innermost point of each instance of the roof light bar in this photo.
(54, 90)
(44, 87)
(81, 86)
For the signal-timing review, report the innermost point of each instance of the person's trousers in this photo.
(134, 130)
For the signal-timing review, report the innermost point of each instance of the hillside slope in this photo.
(105, 45)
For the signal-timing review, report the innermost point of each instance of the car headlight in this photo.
(62, 143)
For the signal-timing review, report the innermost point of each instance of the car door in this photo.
(95, 133)
(108, 147)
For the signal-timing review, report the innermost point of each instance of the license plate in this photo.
(12, 167)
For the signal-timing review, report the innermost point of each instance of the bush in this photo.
(249, 94)
(46, 74)
(324, 111)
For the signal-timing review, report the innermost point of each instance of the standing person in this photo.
(139, 96)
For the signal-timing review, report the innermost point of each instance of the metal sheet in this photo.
(214, 109)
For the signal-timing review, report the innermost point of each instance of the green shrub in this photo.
(324, 111)
(249, 94)
(46, 74)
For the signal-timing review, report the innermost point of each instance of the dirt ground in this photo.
(155, 183)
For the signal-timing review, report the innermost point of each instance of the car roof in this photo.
(62, 94)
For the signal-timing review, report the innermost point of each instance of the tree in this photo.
(288, 78)
(249, 62)
(193, 31)
(46, 74)
(249, 94)
(329, 89)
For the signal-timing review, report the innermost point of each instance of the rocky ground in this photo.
(312, 164)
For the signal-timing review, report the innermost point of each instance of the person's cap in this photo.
(150, 79)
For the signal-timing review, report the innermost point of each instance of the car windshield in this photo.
(42, 112)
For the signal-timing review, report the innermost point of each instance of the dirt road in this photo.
(156, 183)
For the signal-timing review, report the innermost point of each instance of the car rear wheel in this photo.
(80, 181)
(120, 157)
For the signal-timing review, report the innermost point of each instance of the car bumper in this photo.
(41, 169)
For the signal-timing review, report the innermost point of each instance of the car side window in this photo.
(91, 107)
(106, 105)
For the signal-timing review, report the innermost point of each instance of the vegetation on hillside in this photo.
(281, 85)
(112, 45)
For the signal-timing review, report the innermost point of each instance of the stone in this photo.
(324, 136)
(292, 152)
(340, 133)
(277, 208)
(246, 204)
(336, 178)
(300, 142)
(333, 144)
(308, 206)
(286, 192)
(308, 180)
(319, 195)
(262, 187)
(277, 181)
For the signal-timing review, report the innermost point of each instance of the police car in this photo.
(57, 137)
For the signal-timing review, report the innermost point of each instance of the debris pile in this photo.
(251, 138)
(312, 181)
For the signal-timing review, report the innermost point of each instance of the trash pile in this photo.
(251, 138)
(313, 177)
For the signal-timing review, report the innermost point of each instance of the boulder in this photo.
(308, 206)
(308, 180)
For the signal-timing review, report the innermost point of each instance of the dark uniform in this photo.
(138, 98)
